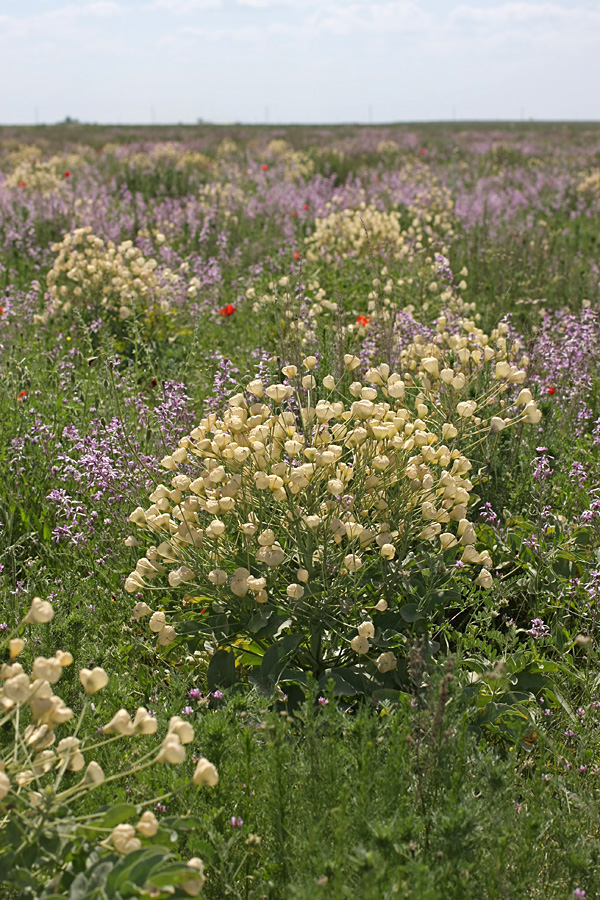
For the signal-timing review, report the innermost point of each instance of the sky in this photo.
(298, 61)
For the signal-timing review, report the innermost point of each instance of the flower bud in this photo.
(484, 579)
(181, 728)
(352, 562)
(48, 670)
(447, 540)
(366, 629)
(140, 610)
(93, 775)
(193, 887)
(148, 824)
(4, 785)
(351, 362)
(386, 662)
(171, 751)
(124, 840)
(205, 773)
(143, 722)
(157, 622)
(119, 724)
(40, 612)
(496, 424)
(166, 636)
(360, 645)
(15, 646)
(17, 688)
(93, 679)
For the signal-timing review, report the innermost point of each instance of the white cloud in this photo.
(102, 9)
(526, 15)
(186, 6)
(371, 18)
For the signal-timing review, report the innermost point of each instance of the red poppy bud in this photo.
(67, 174)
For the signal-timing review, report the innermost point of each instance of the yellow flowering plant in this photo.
(46, 775)
(317, 521)
(102, 279)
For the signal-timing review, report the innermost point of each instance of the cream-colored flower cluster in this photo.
(467, 373)
(117, 278)
(356, 232)
(158, 621)
(433, 217)
(227, 147)
(224, 196)
(293, 500)
(167, 154)
(387, 148)
(35, 752)
(36, 178)
(33, 175)
(298, 164)
(365, 229)
(13, 154)
(590, 185)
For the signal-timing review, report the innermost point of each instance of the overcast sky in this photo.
(131, 61)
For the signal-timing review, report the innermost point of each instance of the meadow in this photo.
(300, 512)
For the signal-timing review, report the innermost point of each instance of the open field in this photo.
(300, 446)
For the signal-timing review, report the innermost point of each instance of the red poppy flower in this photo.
(306, 206)
(21, 396)
(294, 214)
(363, 320)
(296, 255)
(21, 184)
(228, 310)
(264, 167)
(551, 389)
(67, 174)
(422, 152)
(1, 310)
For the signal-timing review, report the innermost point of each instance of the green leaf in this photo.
(410, 612)
(171, 875)
(136, 867)
(85, 883)
(387, 694)
(261, 618)
(117, 814)
(221, 670)
(341, 686)
(275, 660)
